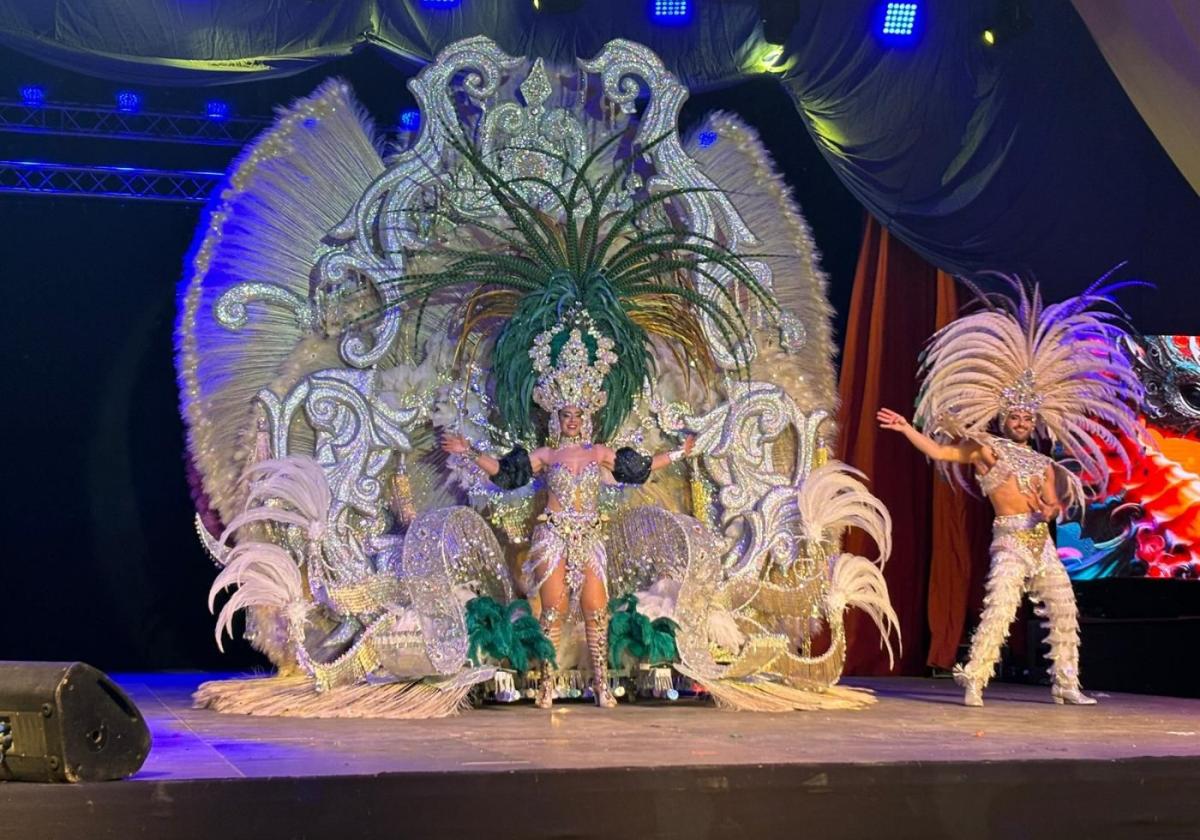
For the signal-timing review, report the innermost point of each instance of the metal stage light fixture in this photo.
(670, 12)
(899, 19)
(205, 127)
(553, 7)
(33, 96)
(129, 102)
(41, 178)
(216, 109)
(410, 119)
(67, 722)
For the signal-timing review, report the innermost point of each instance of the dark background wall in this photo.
(100, 561)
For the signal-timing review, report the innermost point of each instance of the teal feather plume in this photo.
(629, 631)
(632, 271)
(505, 633)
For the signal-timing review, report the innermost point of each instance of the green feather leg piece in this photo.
(630, 631)
(505, 633)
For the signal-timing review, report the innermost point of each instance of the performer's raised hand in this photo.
(889, 419)
(455, 444)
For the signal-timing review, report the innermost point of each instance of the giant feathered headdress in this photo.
(1062, 362)
(576, 275)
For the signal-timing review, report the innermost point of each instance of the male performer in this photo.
(1034, 371)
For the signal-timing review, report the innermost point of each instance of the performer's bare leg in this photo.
(594, 601)
(553, 594)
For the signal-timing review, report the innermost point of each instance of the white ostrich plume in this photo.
(298, 482)
(833, 498)
(265, 575)
(858, 582)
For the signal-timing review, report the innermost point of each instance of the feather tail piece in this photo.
(265, 575)
(298, 482)
(833, 498)
(858, 583)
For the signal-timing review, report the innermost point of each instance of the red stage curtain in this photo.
(938, 558)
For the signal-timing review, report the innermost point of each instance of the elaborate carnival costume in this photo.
(535, 244)
(571, 375)
(1062, 365)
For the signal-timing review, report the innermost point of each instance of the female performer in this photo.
(567, 562)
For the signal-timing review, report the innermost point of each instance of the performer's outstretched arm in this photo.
(665, 459)
(629, 466)
(511, 471)
(967, 452)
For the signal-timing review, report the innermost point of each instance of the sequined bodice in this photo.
(1013, 460)
(575, 491)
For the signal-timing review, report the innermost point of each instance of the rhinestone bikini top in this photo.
(1014, 460)
(575, 491)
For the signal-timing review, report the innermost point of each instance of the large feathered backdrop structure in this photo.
(340, 307)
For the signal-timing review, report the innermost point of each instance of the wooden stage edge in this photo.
(917, 764)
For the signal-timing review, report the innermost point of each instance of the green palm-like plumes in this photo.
(632, 271)
(629, 631)
(502, 633)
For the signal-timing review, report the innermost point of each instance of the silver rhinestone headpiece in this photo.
(1021, 395)
(576, 376)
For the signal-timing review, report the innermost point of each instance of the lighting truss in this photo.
(85, 121)
(23, 176)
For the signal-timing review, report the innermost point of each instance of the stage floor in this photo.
(917, 764)
(915, 720)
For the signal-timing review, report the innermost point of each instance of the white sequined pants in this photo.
(1025, 562)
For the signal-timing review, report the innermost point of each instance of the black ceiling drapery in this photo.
(1026, 157)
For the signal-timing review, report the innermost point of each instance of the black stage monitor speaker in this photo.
(67, 722)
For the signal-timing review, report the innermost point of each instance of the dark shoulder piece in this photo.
(515, 470)
(630, 466)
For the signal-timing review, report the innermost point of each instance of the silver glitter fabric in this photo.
(572, 535)
(1014, 460)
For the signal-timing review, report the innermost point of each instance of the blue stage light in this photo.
(900, 19)
(440, 4)
(215, 109)
(708, 137)
(670, 11)
(33, 96)
(128, 101)
(410, 119)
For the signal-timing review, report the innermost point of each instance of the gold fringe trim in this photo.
(297, 697)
